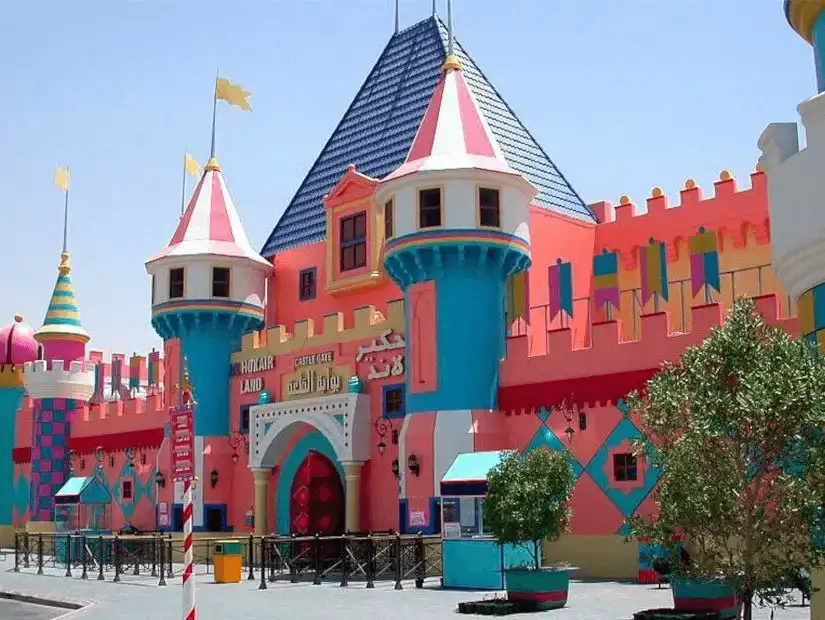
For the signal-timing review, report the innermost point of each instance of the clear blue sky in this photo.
(623, 94)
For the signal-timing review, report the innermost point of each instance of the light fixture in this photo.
(396, 469)
(236, 440)
(160, 480)
(569, 431)
(582, 421)
(213, 478)
(383, 426)
(235, 458)
(382, 448)
(413, 465)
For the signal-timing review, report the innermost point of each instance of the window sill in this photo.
(360, 281)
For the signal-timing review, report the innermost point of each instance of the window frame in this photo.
(481, 209)
(228, 282)
(627, 463)
(182, 272)
(312, 273)
(243, 418)
(420, 209)
(130, 485)
(389, 219)
(353, 242)
(386, 391)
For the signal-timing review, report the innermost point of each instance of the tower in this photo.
(17, 346)
(60, 383)
(459, 227)
(796, 187)
(208, 288)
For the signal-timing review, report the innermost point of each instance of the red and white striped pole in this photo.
(189, 611)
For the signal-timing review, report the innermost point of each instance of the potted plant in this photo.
(734, 429)
(527, 502)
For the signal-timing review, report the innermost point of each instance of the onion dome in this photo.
(802, 15)
(17, 343)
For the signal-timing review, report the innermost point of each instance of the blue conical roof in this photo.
(62, 317)
(379, 127)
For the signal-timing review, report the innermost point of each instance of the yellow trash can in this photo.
(228, 561)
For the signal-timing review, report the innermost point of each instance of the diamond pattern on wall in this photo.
(593, 512)
(546, 438)
(141, 488)
(628, 498)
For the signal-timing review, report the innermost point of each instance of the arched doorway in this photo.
(316, 499)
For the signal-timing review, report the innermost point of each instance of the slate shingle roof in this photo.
(378, 129)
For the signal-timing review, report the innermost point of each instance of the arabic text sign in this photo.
(183, 443)
(318, 380)
(385, 355)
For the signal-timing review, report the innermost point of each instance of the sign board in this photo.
(163, 514)
(417, 518)
(315, 358)
(317, 380)
(183, 443)
(385, 355)
(451, 530)
(252, 386)
(263, 363)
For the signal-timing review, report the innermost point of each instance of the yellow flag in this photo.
(192, 166)
(61, 178)
(232, 93)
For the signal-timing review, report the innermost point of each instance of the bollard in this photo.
(162, 561)
(154, 556)
(251, 546)
(370, 561)
(262, 585)
(68, 555)
(420, 561)
(397, 561)
(344, 560)
(40, 554)
(100, 558)
(293, 571)
(116, 553)
(316, 559)
(84, 564)
(169, 571)
(138, 546)
(17, 552)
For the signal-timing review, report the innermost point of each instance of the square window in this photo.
(306, 284)
(389, 219)
(353, 241)
(429, 208)
(220, 282)
(625, 468)
(126, 490)
(176, 283)
(489, 207)
(394, 405)
(244, 424)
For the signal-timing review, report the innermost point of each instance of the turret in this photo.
(796, 186)
(208, 288)
(60, 384)
(17, 346)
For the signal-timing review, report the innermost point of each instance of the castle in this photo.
(435, 287)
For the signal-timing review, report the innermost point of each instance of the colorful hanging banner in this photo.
(518, 297)
(117, 375)
(653, 268)
(560, 278)
(606, 279)
(134, 371)
(154, 369)
(704, 261)
(100, 380)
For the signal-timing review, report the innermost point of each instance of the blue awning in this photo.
(83, 490)
(468, 473)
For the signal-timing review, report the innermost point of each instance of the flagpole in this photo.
(214, 115)
(396, 16)
(183, 183)
(66, 215)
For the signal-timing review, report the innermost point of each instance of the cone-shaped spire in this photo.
(62, 320)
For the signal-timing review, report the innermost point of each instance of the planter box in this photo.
(718, 596)
(547, 587)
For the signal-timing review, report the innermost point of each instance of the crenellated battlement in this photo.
(57, 379)
(733, 213)
(607, 353)
(367, 323)
(11, 375)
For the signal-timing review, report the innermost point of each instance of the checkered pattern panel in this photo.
(50, 434)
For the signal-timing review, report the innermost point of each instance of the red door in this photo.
(316, 498)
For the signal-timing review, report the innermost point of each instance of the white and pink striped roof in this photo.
(453, 134)
(211, 224)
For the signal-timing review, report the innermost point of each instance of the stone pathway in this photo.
(141, 599)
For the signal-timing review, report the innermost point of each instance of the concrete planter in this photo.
(547, 587)
(718, 596)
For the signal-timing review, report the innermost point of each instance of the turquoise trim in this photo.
(472, 466)
(818, 38)
(9, 403)
(313, 440)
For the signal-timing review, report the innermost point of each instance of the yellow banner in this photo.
(233, 94)
(61, 178)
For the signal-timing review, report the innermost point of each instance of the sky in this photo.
(624, 95)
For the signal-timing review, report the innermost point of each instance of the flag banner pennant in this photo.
(117, 376)
(518, 294)
(560, 277)
(61, 178)
(232, 93)
(653, 267)
(100, 379)
(704, 261)
(134, 372)
(606, 279)
(154, 368)
(192, 166)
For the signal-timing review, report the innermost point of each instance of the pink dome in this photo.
(17, 343)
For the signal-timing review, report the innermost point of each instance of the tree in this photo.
(734, 427)
(528, 498)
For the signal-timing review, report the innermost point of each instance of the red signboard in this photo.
(183, 443)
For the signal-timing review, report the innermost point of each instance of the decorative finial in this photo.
(65, 267)
(624, 200)
(656, 192)
(690, 184)
(451, 63)
(185, 387)
(724, 175)
(213, 164)
(760, 167)
(18, 318)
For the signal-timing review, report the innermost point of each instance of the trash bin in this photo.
(228, 561)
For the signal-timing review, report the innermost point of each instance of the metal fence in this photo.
(354, 557)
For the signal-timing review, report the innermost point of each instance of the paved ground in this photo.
(14, 610)
(138, 598)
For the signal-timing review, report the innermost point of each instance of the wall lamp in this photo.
(396, 468)
(160, 480)
(413, 465)
(236, 440)
(213, 478)
(384, 427)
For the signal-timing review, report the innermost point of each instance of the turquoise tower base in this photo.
(10, 398)
(208, 338)
(51, 429)
(469, 269)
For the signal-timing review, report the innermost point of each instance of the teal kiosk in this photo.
(82, 507)
(472, 559)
